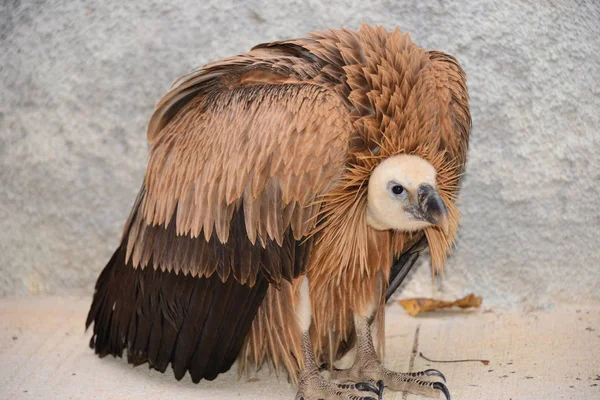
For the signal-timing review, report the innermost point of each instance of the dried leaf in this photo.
(418, 305)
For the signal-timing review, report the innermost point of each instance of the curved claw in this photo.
(367, 387)
(381, 387)
(442, 388)
(434, 372)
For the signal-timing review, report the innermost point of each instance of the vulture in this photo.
(288, 191)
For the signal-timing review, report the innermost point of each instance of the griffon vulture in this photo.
(281, 185)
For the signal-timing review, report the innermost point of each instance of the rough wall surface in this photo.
(79, 80)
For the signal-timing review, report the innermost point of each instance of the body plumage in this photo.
(260, 223)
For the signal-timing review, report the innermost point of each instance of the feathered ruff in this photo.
(406, 101)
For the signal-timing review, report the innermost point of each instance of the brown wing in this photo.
(243, 145)
(240, 152)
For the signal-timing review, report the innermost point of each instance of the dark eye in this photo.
(397, 189)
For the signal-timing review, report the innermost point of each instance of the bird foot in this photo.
(418, 383)
(314, 387)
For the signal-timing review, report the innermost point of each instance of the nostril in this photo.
(423, 194)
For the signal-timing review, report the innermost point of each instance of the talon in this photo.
(442, 388)
(381, 387)
(434, 372)
(367, 387)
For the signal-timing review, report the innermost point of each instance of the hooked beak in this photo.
(432, 207)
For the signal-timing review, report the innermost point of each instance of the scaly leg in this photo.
(368, 367)
(312, 385)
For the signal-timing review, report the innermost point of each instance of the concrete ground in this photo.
(550, 354)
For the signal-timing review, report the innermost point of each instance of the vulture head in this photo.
(402, 196)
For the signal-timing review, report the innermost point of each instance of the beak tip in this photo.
(433, 208)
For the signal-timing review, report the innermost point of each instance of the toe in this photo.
(361, 387)
(366, 387)
(381, 386)
(442, 388)
(434, 372)
(355, 397)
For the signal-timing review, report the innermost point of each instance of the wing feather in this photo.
(263, 142)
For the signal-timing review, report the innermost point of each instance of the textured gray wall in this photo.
(80, 79)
